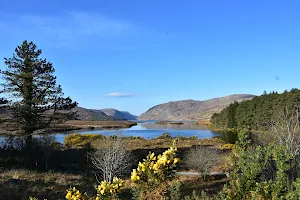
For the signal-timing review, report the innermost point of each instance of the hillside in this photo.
(118, 114)
(191, 109)
(90, 114)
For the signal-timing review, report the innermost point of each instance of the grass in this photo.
(100, 124)
(140, 143)
(211, 186)
(21, 184)
(7, 128)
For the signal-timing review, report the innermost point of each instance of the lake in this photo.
(150, 130)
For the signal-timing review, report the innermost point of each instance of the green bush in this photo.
(259, 172)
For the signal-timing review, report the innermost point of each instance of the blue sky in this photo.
(131, 55)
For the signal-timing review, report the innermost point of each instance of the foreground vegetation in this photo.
(256, 172)
(72, 164)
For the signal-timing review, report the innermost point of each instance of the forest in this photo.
(259, 113)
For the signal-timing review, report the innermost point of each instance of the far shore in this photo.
(169, 122)
(73, 125)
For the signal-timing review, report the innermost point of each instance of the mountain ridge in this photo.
(191, 109)
(107, 114)
(118, 114)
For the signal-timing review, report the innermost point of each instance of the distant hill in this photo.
(191, 109)
(102, 114)
(118, 114)
(91, 114)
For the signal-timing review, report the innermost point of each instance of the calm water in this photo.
(152, 130)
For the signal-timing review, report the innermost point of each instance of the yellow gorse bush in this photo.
(106, 190)
(74, 194)
(79, 140)
(110, 189)
(156, 169)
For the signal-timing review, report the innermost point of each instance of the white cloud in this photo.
(117, 94)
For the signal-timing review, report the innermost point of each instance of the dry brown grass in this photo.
(100, 124)
(21, 184)
(7, 128)
(140, 143)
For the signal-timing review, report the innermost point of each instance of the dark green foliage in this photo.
(35, 98)
(260, 172)
(231, 115)
(258, 113)
(175, 191)
(3, 103)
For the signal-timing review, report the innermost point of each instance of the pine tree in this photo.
(30, 86)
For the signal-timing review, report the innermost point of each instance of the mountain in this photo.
(119, 114)
(191, 109)
(102, 114)
(90, 114)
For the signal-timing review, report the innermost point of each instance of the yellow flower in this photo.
(155, 166)
(69, 194)
(176, 160)
(116, 186)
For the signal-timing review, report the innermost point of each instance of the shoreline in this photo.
(74, 125)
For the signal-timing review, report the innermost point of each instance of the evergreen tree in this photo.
(30, 86)
(258, 113)
(231, 115)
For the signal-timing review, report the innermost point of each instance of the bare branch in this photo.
(112, 160)
(286, 129)
(202, 159)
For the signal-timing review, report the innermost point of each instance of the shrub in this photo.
(154, 172)
(81, 140)
(227, 146)
(164, 136)
(109, 190)
(106, 190)
(259, 172)
(112, 160)
(175, 190)
(202, 159)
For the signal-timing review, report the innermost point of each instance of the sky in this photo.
(132, 55)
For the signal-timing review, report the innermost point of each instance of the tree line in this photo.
(259, 113)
